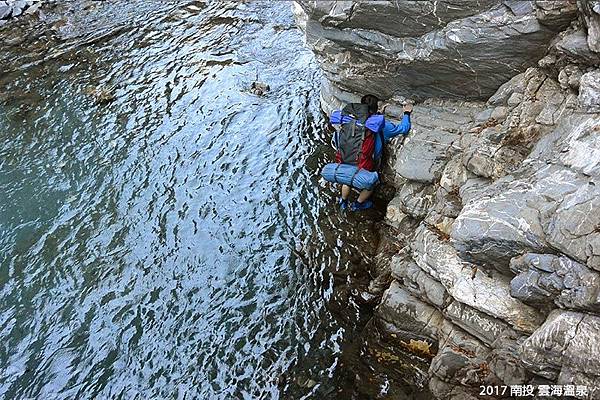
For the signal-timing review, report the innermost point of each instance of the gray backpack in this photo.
(351, 136)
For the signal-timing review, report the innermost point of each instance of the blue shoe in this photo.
(343, 204)
(356, 206)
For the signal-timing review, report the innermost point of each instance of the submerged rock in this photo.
(101, 95)
(259, 88)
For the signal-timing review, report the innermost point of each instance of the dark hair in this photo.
(371, 101)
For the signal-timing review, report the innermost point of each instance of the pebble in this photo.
(259, 88)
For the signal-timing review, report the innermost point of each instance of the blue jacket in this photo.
(390, 131)
(378, 124)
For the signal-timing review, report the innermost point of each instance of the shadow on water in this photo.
(164, 232)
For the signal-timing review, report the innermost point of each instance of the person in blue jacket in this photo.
(389, 131)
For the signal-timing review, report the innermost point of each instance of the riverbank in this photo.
(495, 218)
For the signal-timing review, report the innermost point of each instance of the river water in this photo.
(163, 231)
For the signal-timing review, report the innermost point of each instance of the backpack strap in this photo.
(335, 172)
(380, 159)
(354, 176)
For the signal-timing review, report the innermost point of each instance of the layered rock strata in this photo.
(497, 209)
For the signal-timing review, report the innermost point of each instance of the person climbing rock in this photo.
(359, 142)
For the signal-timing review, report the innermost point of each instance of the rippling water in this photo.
(163, 232)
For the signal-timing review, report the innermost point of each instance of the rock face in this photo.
(543, 279)
(566, 348)
(497, 208)
(590, 12)
(424, 49)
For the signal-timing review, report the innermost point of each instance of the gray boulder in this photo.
(473, 188)
(589, 91)
(5, 10)
(573, 144)
(425, 153)
(444, 390)
(460, 366)
(433, 139)
(590, 11)
(446, 204)
(333, 98)
(525, 109)
(573, 227)
(573, 377)
(408, 319)
(570, 76)
(501, 223)
(418, 282)
(487, 293)
(415, 199)
(557, 14)
(567, 340)
(505, 362)
(454, 175)
(463, 363)
(394, 214)
(513, 217)
(403, 19)
(545, 279)
(18, 7)
(517, 84)
(574, 45)
(544, 207)
(482, 326)
(480, 157)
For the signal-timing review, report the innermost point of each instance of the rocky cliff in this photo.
(497, 208)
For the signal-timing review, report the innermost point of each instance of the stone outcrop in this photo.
(589, 91)
(425, 49)
(566, 348)
(497, 208)
(545, 280)
(590, 12)
(14, 8)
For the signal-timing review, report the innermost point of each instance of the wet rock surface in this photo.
(496, 212)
